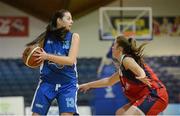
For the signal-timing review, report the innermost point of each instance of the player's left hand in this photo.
(41, 55)
(145, 80)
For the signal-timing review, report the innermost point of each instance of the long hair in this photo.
(130, 48)
(52, 28)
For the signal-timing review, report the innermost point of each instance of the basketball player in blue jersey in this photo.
(58, 74)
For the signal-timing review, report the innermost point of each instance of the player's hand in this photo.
(84, 87)
(41, 55)
(145, 80)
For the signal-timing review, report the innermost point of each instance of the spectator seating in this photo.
(16, 79)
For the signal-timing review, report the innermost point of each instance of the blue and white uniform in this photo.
(56, 81)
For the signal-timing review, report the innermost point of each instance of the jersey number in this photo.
(70, 102)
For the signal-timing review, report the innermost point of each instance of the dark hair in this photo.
(52, 28)
(130, 48)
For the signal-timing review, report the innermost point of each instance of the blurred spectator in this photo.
(176, 27)
(178, 97)
(166, 27)
(156, 27)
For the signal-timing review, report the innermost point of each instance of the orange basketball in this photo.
(29, 59)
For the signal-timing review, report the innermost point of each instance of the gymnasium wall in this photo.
(12, 47)
(87, 27)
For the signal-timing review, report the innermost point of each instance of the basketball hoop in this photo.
(129, 34)
(125, 21)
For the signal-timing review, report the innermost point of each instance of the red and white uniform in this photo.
(152, 100)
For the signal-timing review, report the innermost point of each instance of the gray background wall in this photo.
(88, 26)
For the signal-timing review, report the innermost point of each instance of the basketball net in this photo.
(129, 34)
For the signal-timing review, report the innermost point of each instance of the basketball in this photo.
(28, 58)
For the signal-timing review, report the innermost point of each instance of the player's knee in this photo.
(35, 114)
(66, 114)
(120, 111)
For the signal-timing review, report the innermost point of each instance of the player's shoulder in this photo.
(128, 58)
(127, 61)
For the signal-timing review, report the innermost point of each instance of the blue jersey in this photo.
(52, 72)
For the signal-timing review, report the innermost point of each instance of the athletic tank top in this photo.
(52, 72)
(134, 88)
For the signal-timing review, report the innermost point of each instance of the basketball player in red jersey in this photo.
(146, 93)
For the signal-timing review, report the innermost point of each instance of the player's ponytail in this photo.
(38, 40)
(137, 52)
(52, 28)
(130, 48)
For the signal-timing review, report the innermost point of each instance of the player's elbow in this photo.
(110, 82)
(71, 61)
(113, 80)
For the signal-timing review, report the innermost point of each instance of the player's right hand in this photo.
(84, 87)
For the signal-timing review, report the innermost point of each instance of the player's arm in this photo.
(108, 81)
(64, 60)
(130, 63)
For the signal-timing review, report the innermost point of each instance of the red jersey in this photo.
(135, 89)
(150, 100)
